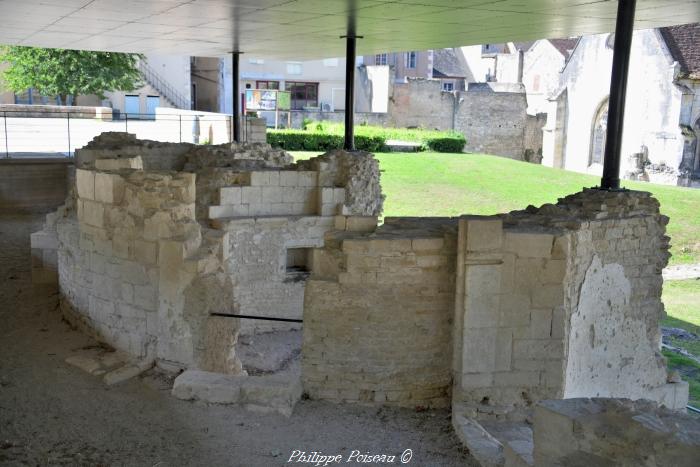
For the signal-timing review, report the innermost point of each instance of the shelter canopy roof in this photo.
(310, 29)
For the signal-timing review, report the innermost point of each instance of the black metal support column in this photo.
(350, 54)
(235, 109)
(618, 90)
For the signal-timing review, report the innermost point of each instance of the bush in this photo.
(322, 136)
(450, 143)
(299, 140)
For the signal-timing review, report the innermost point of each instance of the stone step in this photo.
(486, 449)
(269, 393)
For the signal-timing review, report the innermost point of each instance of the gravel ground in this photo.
(53, 414)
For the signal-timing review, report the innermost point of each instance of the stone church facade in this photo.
(662, 114)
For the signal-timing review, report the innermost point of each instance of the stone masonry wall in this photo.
(125, 262)
(377, 314)
(551, 302)
(269, 212)
(509, 316)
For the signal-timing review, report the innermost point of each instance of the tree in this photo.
(63, 73)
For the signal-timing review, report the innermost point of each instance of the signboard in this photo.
(267, 99)
(284, 100)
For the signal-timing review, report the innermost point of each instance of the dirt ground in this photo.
(54, 414)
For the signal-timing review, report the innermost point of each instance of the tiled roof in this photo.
(684, 45)
(564, 46)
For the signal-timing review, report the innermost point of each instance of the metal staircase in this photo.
(166, 91)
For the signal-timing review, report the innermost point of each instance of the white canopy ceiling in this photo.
(309, 29)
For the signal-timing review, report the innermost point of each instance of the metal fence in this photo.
(59, 133)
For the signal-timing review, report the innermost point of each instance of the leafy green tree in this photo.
(63, 73)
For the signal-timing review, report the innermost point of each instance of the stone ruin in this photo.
(487, 315)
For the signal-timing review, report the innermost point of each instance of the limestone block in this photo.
(146, 251)
(529, 245)
(479, 350)
(307, 179)
(548, 296)
(514, 310)
(230, 210)
(91, 213)
(85, 183)
(482, 233)
(361, 223)
(339, 195)
(44, 240)
(339, 222)
(260, 178)
(271, 194)
(483, 280)
(554, 271)
(109, 188)
(230, 195)
(289, 178)
(427, 244)
(119, 163)
(251, 195)
(126, 372)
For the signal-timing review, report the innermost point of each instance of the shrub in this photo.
(299, 140)
(321, 136)
(450, 143)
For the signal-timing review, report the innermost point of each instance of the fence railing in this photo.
(59, 133)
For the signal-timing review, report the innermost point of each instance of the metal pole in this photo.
(350, 53)
(618, 88)
(68, 121)
(7, 148)
(180, 127)
(126, 122)
(235, 76)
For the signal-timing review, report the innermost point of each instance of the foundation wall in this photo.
(372, 297)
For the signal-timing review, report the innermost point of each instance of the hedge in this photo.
(322, 136)
(299, 140)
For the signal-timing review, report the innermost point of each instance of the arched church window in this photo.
(598, 134)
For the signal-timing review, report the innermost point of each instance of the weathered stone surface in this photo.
(258, 393)
(607, 432)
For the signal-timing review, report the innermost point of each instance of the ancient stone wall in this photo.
(126, 260)
(272, 215)
(614, 297)
(493, 120)
(145, 256)
(509, 347)
(560, 301)
(377, 314)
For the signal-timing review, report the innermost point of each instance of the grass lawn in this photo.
(438, 184)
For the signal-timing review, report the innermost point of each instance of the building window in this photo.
(330, 62)
(599, 134)
(293, 68)
(256, 61)
(448, 86)
(410, 60)
(267, 85)
(380, 59)
(303, 94)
